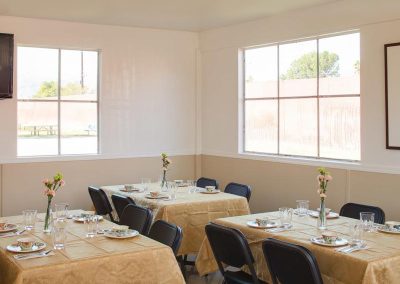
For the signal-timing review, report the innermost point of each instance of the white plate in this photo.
(36, 247)
(209, 192)
(320, 241)
(83, 219)
(387, 230)
(161, 196)
(9, 228)
(331, 215)
(254, 224)
(131, 190)
(129, 234)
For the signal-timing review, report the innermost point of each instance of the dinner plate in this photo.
(9, 228)
(210, 192)
(161, 196)
(36, 247)
(130, 190)
(331, 215)
(129, 234)
(254, 224)
(83, 219)
(388, 230)
(320, 241)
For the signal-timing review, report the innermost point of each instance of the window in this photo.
(57, 101)
(303, 98)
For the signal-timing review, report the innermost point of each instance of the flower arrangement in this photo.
(51, 187)
(323, 179)
(165, 164)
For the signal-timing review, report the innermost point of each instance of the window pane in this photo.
(261, 126)
(298, 127)
(37, 128)
(37, 73)
(339, 61)
(78, 128)
(340, 128)
(298, 69)
(78, 75)
(261, 69)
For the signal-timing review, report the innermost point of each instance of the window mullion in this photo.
(59, 103)
(278, 103)
(318, 118)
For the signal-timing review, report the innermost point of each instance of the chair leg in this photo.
(182, 265)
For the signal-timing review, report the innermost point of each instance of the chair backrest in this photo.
(352, 210)
(203, 182)
(230, 247)
(167, 234)
(120, 202)
(137, 218)
(289, 263)
(238, 189)
(100, 201)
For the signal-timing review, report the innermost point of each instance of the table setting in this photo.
(347, 250)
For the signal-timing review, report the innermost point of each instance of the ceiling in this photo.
(190, 15)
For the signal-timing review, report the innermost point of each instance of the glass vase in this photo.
(164, 184)
(47, 219)
(322, 215)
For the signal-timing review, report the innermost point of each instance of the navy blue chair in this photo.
(290, 264)
(167, 234)
(137, 218)
(100, 202)
(230, 248)
(239, 189)
(353, 210)
(120, 202)
(203, 182)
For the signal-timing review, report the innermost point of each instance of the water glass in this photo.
(285, 215)
(29, 219)
(92, 225)
(302, 207)
(146, 184)
(367, 218)
(59, 233)
(356, 230)
(61, 210)
(191, 185)
(172, 189)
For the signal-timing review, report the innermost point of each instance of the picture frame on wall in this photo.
(392, 95)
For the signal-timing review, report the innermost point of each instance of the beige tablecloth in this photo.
(190, 211)
(95, 260)
(380, 263)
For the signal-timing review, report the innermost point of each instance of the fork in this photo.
(17, 233)
(32, 255)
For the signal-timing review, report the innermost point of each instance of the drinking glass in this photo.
(29, 219)
(302, 207)
(172, 188)
(285, 215)
(367, 218)
(61, 210)
(191, 185)
(59, 233)
(146, 184)
(92, 223)
(356, 232)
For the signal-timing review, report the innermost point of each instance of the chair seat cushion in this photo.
(238, 277)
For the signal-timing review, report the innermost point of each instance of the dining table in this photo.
(191, 209)
(377, 263)
(97, 259)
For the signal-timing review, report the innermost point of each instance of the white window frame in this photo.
(60, 100)
(243, 99)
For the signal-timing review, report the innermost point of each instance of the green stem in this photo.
(46, 221)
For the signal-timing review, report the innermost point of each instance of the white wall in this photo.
(148, 85)
(378, 24)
